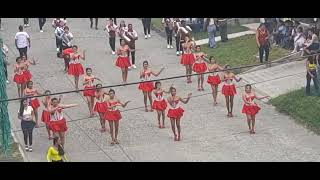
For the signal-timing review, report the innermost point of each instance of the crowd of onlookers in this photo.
(293, 35)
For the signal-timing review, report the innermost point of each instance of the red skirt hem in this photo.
(199, 67)
(19, 78)
(89, 91)
(146, 86)
(100, 107)
(159, 105)
(214, 80)
(187, 59)
(75, 69)
(27, 75)
(123, 62)
(35, 104)
(58, 126)
(175, 113)
(112, 115)
(229, 90)
(251, 109)
(45, 117)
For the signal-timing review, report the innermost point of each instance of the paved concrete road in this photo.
(207, 135)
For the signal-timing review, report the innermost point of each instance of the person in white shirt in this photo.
(26, 115)
(112, 29)
(299, 40)
(22, 41)
(58, 25)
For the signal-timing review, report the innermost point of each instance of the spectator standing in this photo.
(96, 22)
(146, 22)
(223, 24)
(262, 36)
(26, 22)
(42, 21)
(311, 66)
(58, 24)
(22, 42)
(168, 24)
(133, 36)
(211, 26)
(111, 29)
(26, 115)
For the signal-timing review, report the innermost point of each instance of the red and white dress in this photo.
(187, 57)
(89, 89)
(159, 103)
(146, 86)
(75, 67)
(101, 105)
(213, 78)
(199, 66)
(18, 77)
(112, 114)
(229, 89)
(34, 103)
(45, 117)
(175, 111)
(123, 58)
(26, 73)
(57, 121)
(252, 108)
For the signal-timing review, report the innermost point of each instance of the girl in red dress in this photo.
(187, 58)
(176, 112)
(147, 87)
(199, 66)
(113, 115)
(159, 104)
(45, 113)
(58, 123)
(101, 105)
(34, 103)
(123, 59)
(19, 78)
(75, 67)
(250, 108)
(214, 78)
(26, 71)
(229, 89)
(89, 87)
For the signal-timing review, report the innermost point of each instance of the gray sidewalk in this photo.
(207, 134)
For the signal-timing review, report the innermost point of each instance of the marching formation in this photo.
(105, 103)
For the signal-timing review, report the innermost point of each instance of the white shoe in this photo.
(58, 49)
(8, 82)
(171, 47)
(149, 36)
(30, 149)
(24, 25)
(27, 148)
(178, 53)
(134, 66)
(113, 52)
(28, 25)
(168, 46)
(41, 31)
(146, 37)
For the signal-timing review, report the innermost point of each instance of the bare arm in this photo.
(237, 79)
(157, 74)
(186, 100)
(65, 106)
(83, 56)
